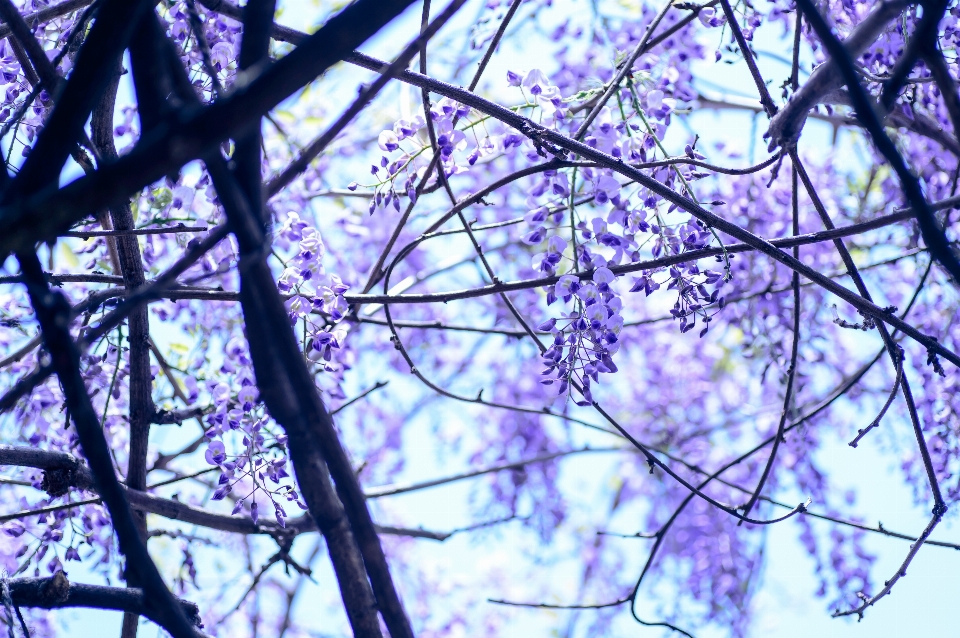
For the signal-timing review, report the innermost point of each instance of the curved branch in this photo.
(661, 262)
(785, 126)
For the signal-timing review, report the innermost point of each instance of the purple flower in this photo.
(535, 236)
(216, 453)
(568, 285)
(535, 82)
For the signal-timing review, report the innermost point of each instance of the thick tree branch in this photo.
(785, 126)
(62, 471)
(56, 592)
(173, 143)
(317, 490)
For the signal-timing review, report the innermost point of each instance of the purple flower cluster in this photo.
(586, 339)
(247, 447)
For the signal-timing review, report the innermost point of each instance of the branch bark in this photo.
(785, 126)
(56, 592)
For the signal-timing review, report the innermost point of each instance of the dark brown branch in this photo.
(141, 404)
(21, 352)
(509, 603)
(56, 592)
(692, 255)
(171, 230)
(254, 46)
(40, 511)
(171, 144)
(291, 398)
(879, 529)
(63, 278)
(785, 126)
(900, 573)
(168, 372)
(390, 490)
(765, 100)
(25, 46)
(862, 432)
(376, 386)
(71, 472)
(625, 68)
(179, 511)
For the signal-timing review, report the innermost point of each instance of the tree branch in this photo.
(56, 592)
(785, 126)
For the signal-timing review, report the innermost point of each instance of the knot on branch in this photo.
(785, 128)
(934, 361)
(57, 481)
(536, 135)
(56, 590)
(163, 416)
(868, 323)
(192, 611)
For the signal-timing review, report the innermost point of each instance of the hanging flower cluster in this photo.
(320, 307)
(585, 340)
(248, 448)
